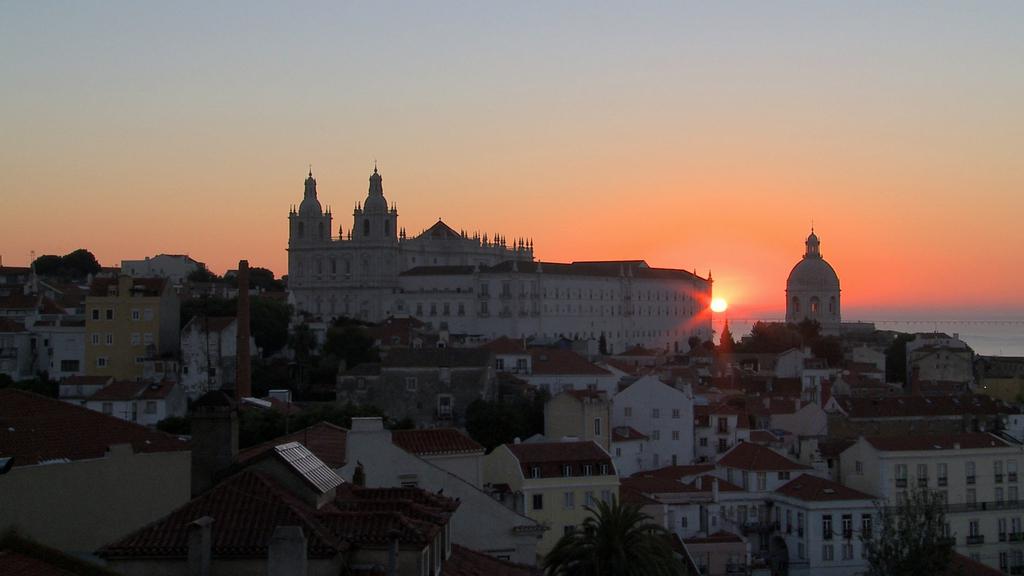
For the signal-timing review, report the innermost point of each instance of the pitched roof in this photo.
(311, 469)
(750, 456)
(35, 429)
(763, 437)
(655, 485)
(922, 406)
(916, 442)
(211, 323)
(561, 361)
(505, 345)
(435, 441)
(549, 457)
(20, 556)
(626, 434)
(679, 471)
(815, 489)
(327, 441)
(18, 564)
(466, 562)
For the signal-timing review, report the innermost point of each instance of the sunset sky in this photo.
(693, 135)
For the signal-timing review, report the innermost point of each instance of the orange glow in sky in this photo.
(702, 137)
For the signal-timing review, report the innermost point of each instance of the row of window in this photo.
(570, 470)
(942, 473)
(627, 411)
(569, 499)
(135, 338)
(136, 314)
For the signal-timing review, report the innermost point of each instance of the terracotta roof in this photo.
(150, 287)
(720, 537)
(19, 302)
(763, 437)
(921, 406)
(434, 357)
(10, 326)
(750, 456)
(118, 390)
(587, 393)
(327, 441)
(560, 361)
(815, 489)
(679, 471)
(435, 441)
(963, 565)
(211, 323)
(549, 457)
(622, 366)
(21, 556)
(18, 564)
(36, 429)
(84, 380)
(935, 442)
(626, 434)
(466, 562)
(640, 351)
(505, 345)
(629, 496)
(247, 507)
(655, 485)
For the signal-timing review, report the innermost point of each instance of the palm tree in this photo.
(615, 540)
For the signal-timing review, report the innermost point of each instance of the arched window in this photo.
(796, 305)
(348, 266)
(815, 306)
(386, 227)
(320, 230)
(302, 229)
(366, 227)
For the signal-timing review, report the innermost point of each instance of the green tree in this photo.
(71, 266)
(351, 343)
(263, 279)
(726, 343)
(615, 540)
(910, 540)
(693, 342)
(896, 358)
(203, 274)
(495, 423)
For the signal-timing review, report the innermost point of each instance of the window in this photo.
(999, 495)
(1013, 494)
(1011, 470)
(675, 434)
(1002, 529)
(997, 470)
(95, 339)
(101, 362)
(69, 365)
(569, 500)
(627, 411)
(972, 497)
(588, 469)
(588, 498)
(655, 413)
(410, 384)
(655, 434)
(95, 313)
(136, 314)
(826, 527)
(723, 444)
(108, 408)
(567, 470)
(723, 425)
(568, 529)
(675, 413)
(826, 550)
(784, 475)
(865, 526)
(847, 526)
(606, 496)
(703, 442)
(597, 426)
(800, 551)
(901, 475)
(147, 338)
(110, 339)
(110, 313)
(848, 551)
(922, 475)
(150, 407)
(538, 501)
(762, 481)
(942, 473)
(135, 339)
(969, 469)
(604, 469)
(535, 472)
(858, 467)
(147, 314)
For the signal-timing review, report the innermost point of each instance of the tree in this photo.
(602, 344)
(910, 540)
(726, 343)
(896, 358)
(693, 342)
(71, 266)
(350, 343)
(263, 279)
(269, 323)
(495, 423)
(203, 274)
(616, 539)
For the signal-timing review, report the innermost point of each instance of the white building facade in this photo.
(662, 413)
(482, 286)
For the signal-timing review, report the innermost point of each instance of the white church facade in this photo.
(484, 287)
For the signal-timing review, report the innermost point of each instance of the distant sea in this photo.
(986, 335)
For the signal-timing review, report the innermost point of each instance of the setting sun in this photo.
(719, 305)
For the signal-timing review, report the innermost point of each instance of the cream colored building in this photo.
(979, 474)
(81, 479)
(129, 321)
(553, 482)
(581, 414)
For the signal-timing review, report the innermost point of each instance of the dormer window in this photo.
(588, 469)
(535, 472)
(567, 470)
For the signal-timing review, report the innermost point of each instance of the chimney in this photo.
(286, 555)
(214, 439)
(243, 380)
(200, 546)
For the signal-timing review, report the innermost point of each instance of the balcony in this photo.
(922, 482)
(848, 535)
(976, 540)
(943, 481)
(970, 479)
(1014, 536)
(901, 482)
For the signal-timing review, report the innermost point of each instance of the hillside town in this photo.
(445, 403)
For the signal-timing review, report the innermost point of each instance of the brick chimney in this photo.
(243, 371)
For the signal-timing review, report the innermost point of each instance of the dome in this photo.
(310, 206)
(375, 201)
(812, 274)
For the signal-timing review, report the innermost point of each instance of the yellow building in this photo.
(582, 414)
(129, 321)
(554, 481)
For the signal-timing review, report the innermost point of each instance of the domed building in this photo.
(812, 290)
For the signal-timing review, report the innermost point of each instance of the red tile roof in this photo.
(466, 562)
(935, 442)
(626, 434)
(36, 429)
(505, 345)
(750, 456)
(247, 507)
(655, 485)
(17, 564)
(918, 406)
(327, 441)
(549, 457)
(559, 361)
(588, 393)
(815, 489)
(83, 380)
(720, 537)
(963, 565)
(640, 351)
(435, 441)
(10, 326)
(763, 437)
(679, 471)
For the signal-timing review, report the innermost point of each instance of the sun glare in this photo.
(719, 305)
